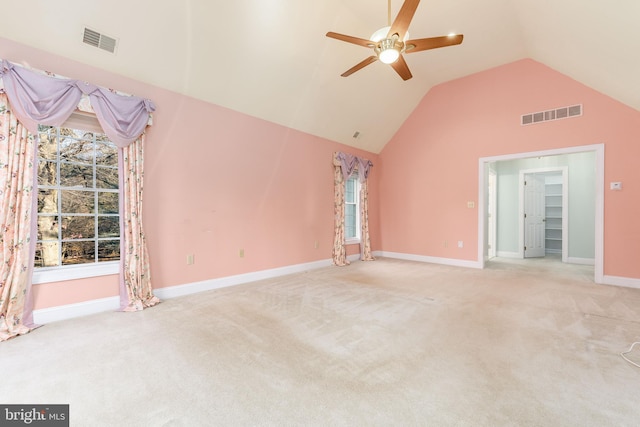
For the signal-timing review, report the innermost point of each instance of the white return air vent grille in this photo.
(95, 39)
(555, 114)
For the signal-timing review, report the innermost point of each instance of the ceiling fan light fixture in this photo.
(388, 56)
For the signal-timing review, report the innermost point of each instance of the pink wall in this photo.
(216, 181)
(430, 167)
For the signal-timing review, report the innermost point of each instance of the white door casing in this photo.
(491, 213)
(598, 150)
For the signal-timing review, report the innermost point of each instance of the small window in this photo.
(352, 209)
(78, 211)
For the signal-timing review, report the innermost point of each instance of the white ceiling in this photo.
(271, 59)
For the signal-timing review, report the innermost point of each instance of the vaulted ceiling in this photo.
(270, 58)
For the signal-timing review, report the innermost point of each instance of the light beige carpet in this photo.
(381, 343)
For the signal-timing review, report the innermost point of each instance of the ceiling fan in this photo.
(389, 43)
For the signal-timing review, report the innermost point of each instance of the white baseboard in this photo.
(583, 261)
(433, 260)
(69, 311)
(627, 282)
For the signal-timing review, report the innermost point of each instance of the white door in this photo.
(534, 215)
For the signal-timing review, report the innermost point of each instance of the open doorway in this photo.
(510, 234)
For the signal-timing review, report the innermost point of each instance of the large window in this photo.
(352, 209)
(78, 214)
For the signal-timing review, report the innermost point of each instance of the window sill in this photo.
(352, 242)
(73, 272)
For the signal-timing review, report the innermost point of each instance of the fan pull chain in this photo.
(389, 13)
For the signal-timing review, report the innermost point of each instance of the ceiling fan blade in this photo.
(350, 39)
(418, 45)
(360, 65)
(402, 68)
(402, 21)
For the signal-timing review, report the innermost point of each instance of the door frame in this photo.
(598, 149)
(564, 170)
(492, 186)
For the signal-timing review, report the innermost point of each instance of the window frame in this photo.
(87, 123)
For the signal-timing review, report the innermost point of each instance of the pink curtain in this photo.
(136, 292)
(17, 169)
(339, 251)
(344, 165)
(365, 244)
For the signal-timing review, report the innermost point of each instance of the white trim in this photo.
(430, 259)
(599, 210)
(583, 261)
(69, 311)
(626, 282)
(72, 272)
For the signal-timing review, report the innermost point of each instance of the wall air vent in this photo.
(95, 39)
(555, 114)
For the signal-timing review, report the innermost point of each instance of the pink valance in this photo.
(42, 99)
(350, 163)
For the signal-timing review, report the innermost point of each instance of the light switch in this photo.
(471, 205)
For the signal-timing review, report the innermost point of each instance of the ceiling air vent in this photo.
(555, 114)
(95, 39)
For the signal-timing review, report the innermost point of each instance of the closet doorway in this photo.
(544, 212)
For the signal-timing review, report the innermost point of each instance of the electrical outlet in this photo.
(460, 243)
(446, 244)
(316, 245)
(190, 259)
(241, 253)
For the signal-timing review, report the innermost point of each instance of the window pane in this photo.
(72, 175)
(78, 252)
(108, 250)
(106, 154)
(76, 151)
(47, 254)
(48, 146)
(47, 201)
(47, 227)
(76, 133)
(47, 174)
(78, 227)
(78, 175)
(107, 178)
(107, 203)
(77, 201)
(349, 232)
(350, 221)
(108, 226)
(349, 194)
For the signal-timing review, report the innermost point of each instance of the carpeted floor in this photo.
(382, 343)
